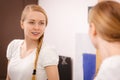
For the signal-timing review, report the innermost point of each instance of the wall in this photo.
(67, 19)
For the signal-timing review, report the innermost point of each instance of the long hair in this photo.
(36, 59)
(106, 18)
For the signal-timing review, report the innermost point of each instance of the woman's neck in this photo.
(108, 49)
(30, 44)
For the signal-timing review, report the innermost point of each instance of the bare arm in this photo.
(52, 72)
(7, 77)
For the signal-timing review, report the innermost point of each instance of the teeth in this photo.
(35, 33)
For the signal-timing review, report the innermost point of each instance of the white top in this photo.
(22, 68)
(110, 69)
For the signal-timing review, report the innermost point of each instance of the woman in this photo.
(104, 20)
(31, 58)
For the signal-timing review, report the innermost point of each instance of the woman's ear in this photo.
(93, 34)
(92, 30)
(21, 24)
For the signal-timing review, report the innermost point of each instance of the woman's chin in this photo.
(35, 38)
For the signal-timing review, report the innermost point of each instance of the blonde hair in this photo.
(33, 7)
(27, 9)
(106, 18)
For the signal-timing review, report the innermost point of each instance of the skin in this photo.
(34, 26)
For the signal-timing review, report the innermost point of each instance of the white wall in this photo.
(67, 18)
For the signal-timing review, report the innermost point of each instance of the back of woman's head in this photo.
(106, 18)
(32, 7)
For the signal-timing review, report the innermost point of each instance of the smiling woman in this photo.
(34, 25)
(32, 58)
(9, 20)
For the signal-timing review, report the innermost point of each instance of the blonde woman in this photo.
(104, 20)
(31, 58)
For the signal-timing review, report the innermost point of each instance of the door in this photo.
(10, 13)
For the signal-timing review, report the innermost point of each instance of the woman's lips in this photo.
(35, 33)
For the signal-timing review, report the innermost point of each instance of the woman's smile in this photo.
(36, 33)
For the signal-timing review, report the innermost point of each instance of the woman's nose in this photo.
(37, 26)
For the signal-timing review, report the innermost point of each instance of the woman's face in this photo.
(34, 25)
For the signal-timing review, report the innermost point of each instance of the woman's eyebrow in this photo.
(35, 20)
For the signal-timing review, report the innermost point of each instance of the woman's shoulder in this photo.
(13, 46)
(46, 46)
(113, 61)
(15, 42)
(109, 67)
(48, 50)
(48, 55)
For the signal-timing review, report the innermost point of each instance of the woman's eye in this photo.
(41, 23)
(31, 22)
